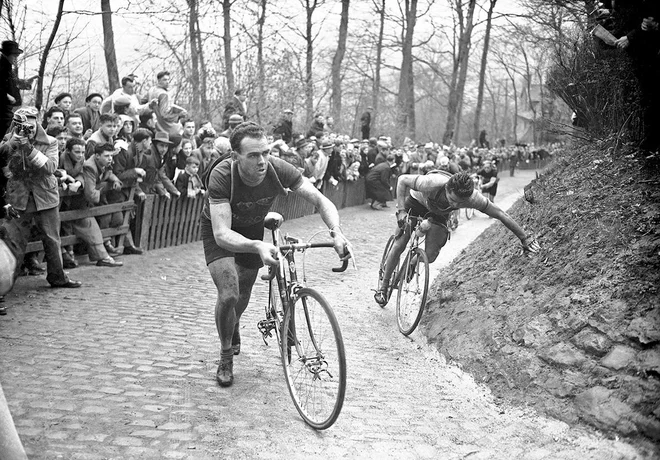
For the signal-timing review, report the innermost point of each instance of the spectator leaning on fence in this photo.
(86, 228)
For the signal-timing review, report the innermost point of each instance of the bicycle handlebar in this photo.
(300, 247)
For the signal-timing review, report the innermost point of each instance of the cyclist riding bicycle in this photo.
(436, 195)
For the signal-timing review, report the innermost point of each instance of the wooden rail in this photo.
(67, 216)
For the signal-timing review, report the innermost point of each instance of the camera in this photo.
(24, 129)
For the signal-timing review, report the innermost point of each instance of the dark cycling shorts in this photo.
(417, 209)
(213, 252)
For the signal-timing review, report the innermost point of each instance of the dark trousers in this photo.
(48, 224)
(365, 132)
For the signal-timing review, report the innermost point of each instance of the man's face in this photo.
(189, 128)
(61, 140)
(104, 158)
(75, 126)
(320, 119)
(207, 144)
(129, 87)
(77, 152)
(56, 119)
(12, 58)
(128, 127)
(65, 103)
(252, 159)
(187, 149)
(95, 103)
(164, 81)
(162, 148)
(108, 128)
(145, 145)
(242, 97)
(453, 199)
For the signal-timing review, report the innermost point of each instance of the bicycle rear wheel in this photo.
(469, 213)
(413, 288)
(314, 359)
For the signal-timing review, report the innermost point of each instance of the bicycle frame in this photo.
(417, 237)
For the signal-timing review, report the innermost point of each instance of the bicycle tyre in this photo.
(469, 213)
(388, 247)
(277, 311)
(314, 360)
(413, 289)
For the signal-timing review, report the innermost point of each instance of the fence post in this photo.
(143, 219)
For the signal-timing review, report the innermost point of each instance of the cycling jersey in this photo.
(436, 200)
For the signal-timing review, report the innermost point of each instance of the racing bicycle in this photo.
(307, 332)
(411, 277)
(469, 212)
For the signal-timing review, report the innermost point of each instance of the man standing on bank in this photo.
(241, 191)
(365, 123)
(10, 84)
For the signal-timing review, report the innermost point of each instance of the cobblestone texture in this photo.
(124, 368)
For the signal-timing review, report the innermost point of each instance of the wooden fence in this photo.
(161, 223)
(66, 216)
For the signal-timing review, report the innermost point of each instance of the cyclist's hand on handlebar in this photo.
(268, 253)
(530, 246)
(401, 217)
(342, 245)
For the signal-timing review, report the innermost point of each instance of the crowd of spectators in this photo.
(130, 144)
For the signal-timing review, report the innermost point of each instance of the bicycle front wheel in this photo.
(386, 252)
(413, 288)
(469, 213)
(314, 359)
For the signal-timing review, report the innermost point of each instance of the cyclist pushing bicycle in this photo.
(435, 196)
(241, 191)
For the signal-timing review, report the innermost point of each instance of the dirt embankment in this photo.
(574, 331)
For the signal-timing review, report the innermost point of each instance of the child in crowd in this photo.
(188, 181)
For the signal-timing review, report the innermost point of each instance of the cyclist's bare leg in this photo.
(436, 238)
(234, 284)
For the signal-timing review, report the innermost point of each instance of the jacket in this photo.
(98, 181)
(35, 175)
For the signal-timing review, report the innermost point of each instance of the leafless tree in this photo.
(482, 71)
(336, 95)
(465, 24)
(109, 46)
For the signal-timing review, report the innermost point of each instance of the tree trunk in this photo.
(194, 56)
(202, 67)
(226, 39)
(406, 97)
(482, 71)
(380, 10)
(109, 46)
(44, 57)
(261, 20)
(335, 96)
(456, 93)
(310, 6)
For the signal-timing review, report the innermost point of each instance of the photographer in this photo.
(32, 190)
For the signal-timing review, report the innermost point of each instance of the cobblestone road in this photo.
(124, 368)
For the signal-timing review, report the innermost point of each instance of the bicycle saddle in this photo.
(273, 220)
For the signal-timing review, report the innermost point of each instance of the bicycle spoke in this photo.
(316, 373)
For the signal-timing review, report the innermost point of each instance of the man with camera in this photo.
(32, 159)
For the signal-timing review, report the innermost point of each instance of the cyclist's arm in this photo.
(496, 212)
(228, 239)
(328, 213)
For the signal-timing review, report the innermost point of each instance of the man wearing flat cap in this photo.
(10, 84)
(234, 121)
(90, 114)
